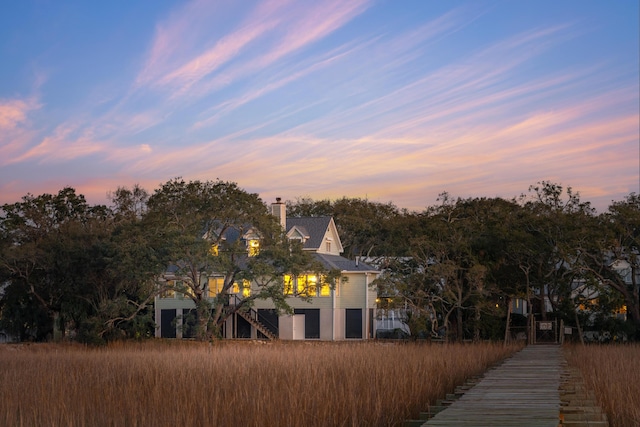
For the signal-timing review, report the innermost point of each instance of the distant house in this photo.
(5, 337)
(346, 312)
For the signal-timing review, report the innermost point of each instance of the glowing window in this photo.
(288, 285)
(325, 290)
(254, 247)
(216, 284)
(307, 285)
(214, 250)
(246, 288)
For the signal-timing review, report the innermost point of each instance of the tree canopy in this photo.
(71, 269)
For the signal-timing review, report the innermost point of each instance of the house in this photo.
(347, 311)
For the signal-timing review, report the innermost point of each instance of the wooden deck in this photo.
(523, 391)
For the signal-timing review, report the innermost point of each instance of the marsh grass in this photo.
(232, 384)
(613, 373)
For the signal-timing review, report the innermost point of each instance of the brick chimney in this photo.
(279, 210)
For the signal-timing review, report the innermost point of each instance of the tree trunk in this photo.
(507, 329)
(476, 331)
(459, 329)
(203, 311)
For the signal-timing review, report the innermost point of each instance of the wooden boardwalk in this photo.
(523, 391)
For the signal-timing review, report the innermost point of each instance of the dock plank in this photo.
(524, 390)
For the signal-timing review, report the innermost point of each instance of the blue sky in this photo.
(389, 100)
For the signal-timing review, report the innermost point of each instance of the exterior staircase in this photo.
(251, 316)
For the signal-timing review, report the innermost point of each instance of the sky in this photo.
(393, 101)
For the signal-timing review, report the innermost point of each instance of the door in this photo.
(353, 323)
(167, 323)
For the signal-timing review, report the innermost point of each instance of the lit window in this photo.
(288, 285)
(214, 250)
(216, 284)
(325, 289)
(307, 285)
(169, 292)
(246, 288)
(254, 247)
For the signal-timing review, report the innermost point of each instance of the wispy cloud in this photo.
(296, 98)
(14, 111)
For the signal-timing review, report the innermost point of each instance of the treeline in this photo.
(458, 265)
(69, 270)
(90, 273)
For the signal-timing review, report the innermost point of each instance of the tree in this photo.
(366, 228)
(214, 228)
(611, 255)
(46, 256)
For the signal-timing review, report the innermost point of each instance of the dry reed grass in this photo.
(613, 373)
(232, 384)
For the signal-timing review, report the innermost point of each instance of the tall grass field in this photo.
(613, 373)
(232, 383)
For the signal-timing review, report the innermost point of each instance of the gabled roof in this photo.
(344, 264)
(315, 227)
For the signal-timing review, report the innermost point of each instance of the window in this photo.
(328, 246)
(253, 247)
(288, 285)
(216, 284)
(214, 250)
(325, 289)
(246, 288)
(305, 285)
(169, 292)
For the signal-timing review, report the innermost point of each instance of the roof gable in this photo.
(318, 229)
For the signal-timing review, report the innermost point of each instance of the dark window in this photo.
(353, 323)
(311, 322)
(168, 323)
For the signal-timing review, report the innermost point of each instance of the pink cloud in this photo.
(14, 111)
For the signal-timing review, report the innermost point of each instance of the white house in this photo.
(346, 312)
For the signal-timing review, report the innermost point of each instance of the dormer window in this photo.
(253, 247)
(328, 246)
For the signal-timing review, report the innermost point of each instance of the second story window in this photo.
(245, 287)
(288, 285)
(304, 285)
(169, 291)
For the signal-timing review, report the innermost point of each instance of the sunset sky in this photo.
(390, 100)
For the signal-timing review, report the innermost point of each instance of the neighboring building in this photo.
(5, 337)
(346, 312)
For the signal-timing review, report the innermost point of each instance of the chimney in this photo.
(279, 210)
